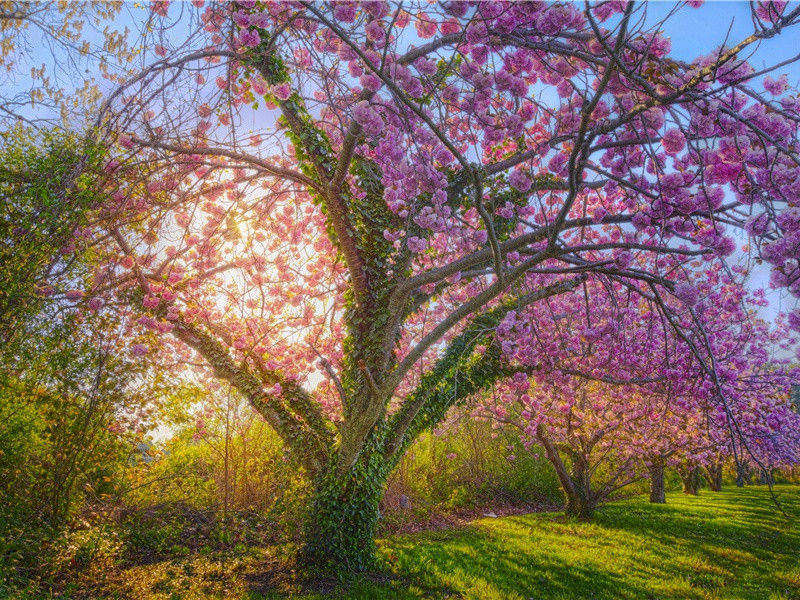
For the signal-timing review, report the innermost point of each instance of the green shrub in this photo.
(468, 465)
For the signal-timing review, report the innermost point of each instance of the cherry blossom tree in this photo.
(611, 384)
(332, 207)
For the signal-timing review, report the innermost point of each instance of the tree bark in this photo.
(579, 501)
(657, 492)
(690, 476)
(714, 475)
(742, 474)
(765, 477)
(339, 532)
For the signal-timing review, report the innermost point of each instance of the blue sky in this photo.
(700, 31)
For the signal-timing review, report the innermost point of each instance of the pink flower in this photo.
(624, 259)
(687, 293)
(450, 26)
(282, 91)
(139, 350)
(794, 320)
(426, 27)
(369, 119)
(249, 38)
(776, 86)
(345, 11)
(519, 180)
(673, 141)
(371, 82)
(416, 245)
(160, 7)
(276, 390)
(375, 32)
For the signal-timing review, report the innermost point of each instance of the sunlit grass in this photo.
(732, 544)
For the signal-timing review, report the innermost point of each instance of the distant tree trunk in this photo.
(714, 475)
(690, 475)
(765, 477)
(656, 469)
(580, 501)
(742, 474)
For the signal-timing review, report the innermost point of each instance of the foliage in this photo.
(466, 466)
(46, 193)
(70, 423)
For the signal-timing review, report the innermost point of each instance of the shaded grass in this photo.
(731, 544)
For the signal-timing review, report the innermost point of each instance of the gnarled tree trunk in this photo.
(690, 476)
(714, 475)
(339, 533)
(580, 502)
(657, 492)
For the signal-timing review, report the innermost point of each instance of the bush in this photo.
(469, 465)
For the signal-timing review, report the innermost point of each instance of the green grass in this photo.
(732, 544)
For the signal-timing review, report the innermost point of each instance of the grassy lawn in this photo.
(732, 544)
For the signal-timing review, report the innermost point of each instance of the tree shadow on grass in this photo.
(723, 545)
(490, 565)
(746, 524)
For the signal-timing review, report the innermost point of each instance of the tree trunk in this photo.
(765, 477)
(579, 506)
(657, 493)
(580, 501)
(690, 476)
(742, 474)
(577, 491)
(714, 475)
(339, 533)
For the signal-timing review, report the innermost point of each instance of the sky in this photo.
(699, 32)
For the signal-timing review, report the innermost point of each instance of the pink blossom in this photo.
(345, 11)
(282, 91)
(776, 86)
(416, 244)
(249, 38)
(520, 180)
(673, 141)
(687, 293)
(375, 32)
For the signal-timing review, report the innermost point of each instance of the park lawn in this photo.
(731, 544)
